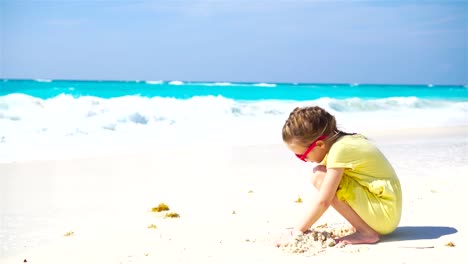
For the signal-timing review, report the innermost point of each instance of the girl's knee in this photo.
(317, 177)
(320, 169)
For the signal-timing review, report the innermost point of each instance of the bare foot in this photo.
(359, 238)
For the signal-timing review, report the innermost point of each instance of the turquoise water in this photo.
(71, 117)
(235, 91)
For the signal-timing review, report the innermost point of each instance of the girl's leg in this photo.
(364, 233)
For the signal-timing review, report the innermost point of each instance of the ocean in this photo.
(60, 118)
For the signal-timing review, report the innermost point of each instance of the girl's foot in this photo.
(359, 238)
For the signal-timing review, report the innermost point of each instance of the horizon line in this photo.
(232, 82)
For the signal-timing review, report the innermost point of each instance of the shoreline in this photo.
(156, 147)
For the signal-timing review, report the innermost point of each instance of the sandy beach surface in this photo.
(233, 201)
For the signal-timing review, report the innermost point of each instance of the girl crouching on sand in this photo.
(353, 176)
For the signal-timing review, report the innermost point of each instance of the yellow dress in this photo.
(369, 184)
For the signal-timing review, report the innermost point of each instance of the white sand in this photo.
(232, 201)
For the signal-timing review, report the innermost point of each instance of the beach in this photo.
(137, 132)
(233, 201)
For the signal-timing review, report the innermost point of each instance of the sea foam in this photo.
(81, 110)
(136, 120)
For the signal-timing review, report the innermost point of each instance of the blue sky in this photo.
(405, 42)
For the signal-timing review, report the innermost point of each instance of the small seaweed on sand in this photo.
(71, 233)
(152, 226)
(450, 244)
(161, 207)
(298, 200)
(172, 215)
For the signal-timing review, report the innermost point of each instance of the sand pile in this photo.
(316, 240)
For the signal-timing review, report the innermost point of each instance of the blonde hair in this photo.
(306, 124)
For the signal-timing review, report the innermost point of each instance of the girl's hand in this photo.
(287, 237)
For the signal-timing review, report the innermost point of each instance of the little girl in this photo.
(353, 176)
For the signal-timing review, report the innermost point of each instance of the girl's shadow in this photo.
(404, 233)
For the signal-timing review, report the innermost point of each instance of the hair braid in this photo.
(306, 124)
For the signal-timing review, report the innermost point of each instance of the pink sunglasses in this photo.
(310, 148)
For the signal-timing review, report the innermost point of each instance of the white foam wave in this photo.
(216, 84)
(176, 83)
(392, 103)
(123, 109)
(223, 83)
(26, 120)
(154, 82)
(265, 84)
(43, 80)
(212, 84)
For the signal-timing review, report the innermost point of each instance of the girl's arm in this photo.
(324, 199)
